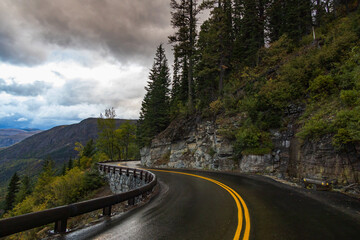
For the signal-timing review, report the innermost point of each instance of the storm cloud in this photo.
(128, 30)
(65, 60)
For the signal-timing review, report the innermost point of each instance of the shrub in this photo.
(250, 106)
(92, 180)
(216, 106)
(251, 140)
(227, 132)
(347, 123)
(315, 127)
(279, 49)
(341, 138)
(349, 97)
(321, 86)
(276, 93)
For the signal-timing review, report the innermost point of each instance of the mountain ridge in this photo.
(11, 136)
(57, 142)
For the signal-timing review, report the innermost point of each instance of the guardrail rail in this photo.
(60, 215)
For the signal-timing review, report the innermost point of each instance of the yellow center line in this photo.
(236, 197)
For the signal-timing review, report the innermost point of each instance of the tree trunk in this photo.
(191, 47)
(126, 151)
(221, 63)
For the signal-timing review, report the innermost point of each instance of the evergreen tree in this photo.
(25, 189)
(206, 70)
(184, 19)
(89, 149)
(214, 51)
(249, 30)
(179, 90)
(12, 189)
(155, 109)
(291, 17)
(70, 164)
(47, 172)
(276, 19)
(63, 170)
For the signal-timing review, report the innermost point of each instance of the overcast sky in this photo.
(62, 61)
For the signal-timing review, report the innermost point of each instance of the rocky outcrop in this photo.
(197, 144)
(319, 159)
(202, 144)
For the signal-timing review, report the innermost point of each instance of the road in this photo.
(190, 207)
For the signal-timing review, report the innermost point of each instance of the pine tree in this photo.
(25, 189)
(184, 20)
(290, 17)
(47, 172)
(89, 149)
(70, 164)
(206, 70)
(249, 30)
(63, 170)
(214, 51)
(12, 189)
(155, 109)
(179, 90)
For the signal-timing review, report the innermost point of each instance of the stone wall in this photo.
(121, 182)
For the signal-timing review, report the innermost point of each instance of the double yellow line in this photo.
(238, 200)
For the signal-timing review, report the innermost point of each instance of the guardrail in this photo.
(59, 215)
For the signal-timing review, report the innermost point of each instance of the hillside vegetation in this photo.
(259, 60)
(59, 143)
(77, 179)
(77, 182)
(321, 76)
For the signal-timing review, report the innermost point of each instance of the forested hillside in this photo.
(48, 182)
(261, 72)
(59, 143)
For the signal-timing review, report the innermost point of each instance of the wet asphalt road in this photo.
(193, 208)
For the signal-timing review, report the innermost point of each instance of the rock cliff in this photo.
(198, 143)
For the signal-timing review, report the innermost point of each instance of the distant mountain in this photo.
(58, 142)
(9, 137)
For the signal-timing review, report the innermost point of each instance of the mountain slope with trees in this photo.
(278, 80)
(57, 143)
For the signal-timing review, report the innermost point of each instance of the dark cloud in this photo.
(15, 50)
(31, 89)
(127, 29)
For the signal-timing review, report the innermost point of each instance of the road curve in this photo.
(189, 207)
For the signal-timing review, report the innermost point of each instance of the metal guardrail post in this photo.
(107, 211)
(131, 201)
(60, 226)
